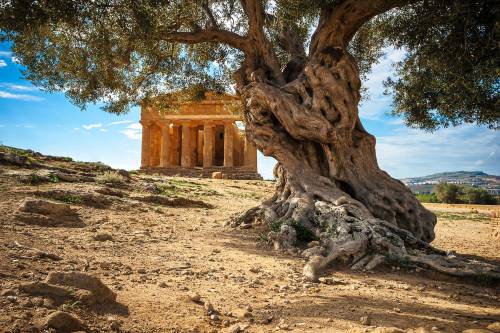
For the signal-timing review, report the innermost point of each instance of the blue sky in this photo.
(49, 123)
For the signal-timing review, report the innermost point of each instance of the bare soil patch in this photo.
(158, 256)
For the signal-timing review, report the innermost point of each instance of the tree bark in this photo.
(329, 183)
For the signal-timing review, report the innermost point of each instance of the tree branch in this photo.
(210, 14)
(209, 35)
(338, 25)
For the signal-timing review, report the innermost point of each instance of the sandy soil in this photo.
(159, 254)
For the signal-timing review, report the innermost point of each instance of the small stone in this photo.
(398, 310)
(64, 322)
(12, 299)
(234, 329)
(313, 244)
(141, 271)
(162, 285)
(249, 308)
(217, 175)
(214, 317)
(242, 313)
(495, 327)
(8, 292)
(254, 270)
(365, 320)
(195, 297)
(102, 237)
(209, 307)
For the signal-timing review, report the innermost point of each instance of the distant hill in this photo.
(425, 184)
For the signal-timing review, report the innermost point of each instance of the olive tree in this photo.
(298, 67)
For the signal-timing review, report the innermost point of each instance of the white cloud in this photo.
(411, 152)
(6, 54)
(103, 130)
(133, 131)
(3, 63)
(132, 134)
(479, 162)
(120, 122)
(135, 126)
(20, 87)
(21, 97)
(91, 126)
(378, 103)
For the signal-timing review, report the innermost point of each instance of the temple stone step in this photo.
(227, 172)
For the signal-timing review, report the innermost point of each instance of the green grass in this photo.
(181, 187)
(110, 177)
(71, 199)
(473, 216)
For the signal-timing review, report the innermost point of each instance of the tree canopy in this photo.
(124, 52)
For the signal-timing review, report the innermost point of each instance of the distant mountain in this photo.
(426, 184)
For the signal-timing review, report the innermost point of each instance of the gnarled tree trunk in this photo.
(328, 179)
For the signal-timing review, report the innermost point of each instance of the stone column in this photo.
(165, 145)
(199, 147)
(186, 146)
(175, 145)
(193, 136)
(145, 150)
(208, 145)
(228, 144)
(250, 155)
(154, 147)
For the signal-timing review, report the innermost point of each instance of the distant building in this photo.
(196, 139)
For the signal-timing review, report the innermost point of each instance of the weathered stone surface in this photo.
(495, 327)
(217, 175)
(172, 202)
(47, 213)
(85, 281)
(64, 322)
(77, 197)
(45, 289)
(102, 237)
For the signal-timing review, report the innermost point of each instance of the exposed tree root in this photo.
(348, 233)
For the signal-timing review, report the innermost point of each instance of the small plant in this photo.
(71, 199)
(35, 179)
(110, 177)
(53, 178)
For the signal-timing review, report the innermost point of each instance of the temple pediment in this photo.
(213, 106)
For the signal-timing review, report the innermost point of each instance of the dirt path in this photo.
(158, 256)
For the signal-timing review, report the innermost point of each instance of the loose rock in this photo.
(63, 322)
(100, 291)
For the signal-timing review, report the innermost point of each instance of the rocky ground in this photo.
(87, 248)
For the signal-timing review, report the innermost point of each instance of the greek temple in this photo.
(197, 139)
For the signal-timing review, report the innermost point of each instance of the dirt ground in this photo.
(158, 254)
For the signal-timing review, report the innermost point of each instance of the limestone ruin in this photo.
(197, 139)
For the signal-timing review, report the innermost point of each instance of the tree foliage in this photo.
(124, 52)
(453, 194)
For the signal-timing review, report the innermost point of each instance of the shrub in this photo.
(110, 177)
(71, 199)
(448, 193)
(427, 197)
